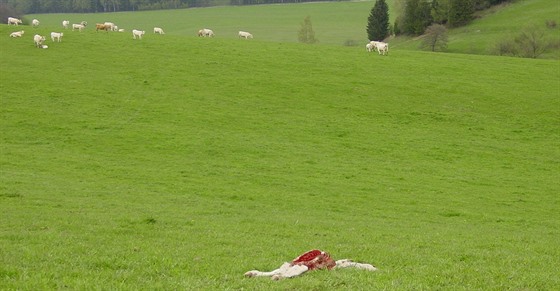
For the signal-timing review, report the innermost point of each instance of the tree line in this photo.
(22, 7)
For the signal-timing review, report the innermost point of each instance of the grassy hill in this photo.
(339, 23)
(504, 22)
(178, 162)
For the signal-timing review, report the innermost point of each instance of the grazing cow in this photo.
(101, 26)
(38, 39)
(158, 30)
(34, 22)
(137, 33)
(110, 26)
(57, 35)
(65, 24)
(17, 33)
(206, 32)
(370, 47)
(383, 48)
(311, 260)
(79, 27)
(245, 34)
(14, 21)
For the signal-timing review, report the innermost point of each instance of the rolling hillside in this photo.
(341, 23)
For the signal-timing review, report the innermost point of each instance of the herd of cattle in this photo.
(381, 47)
(107, 26)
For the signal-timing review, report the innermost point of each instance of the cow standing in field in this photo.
(311, 260)
(65, 24)
(101, 26)
(14, 21)
(38, 39)
(79, 26)
(370, 47)
(34, 22)
(137, 34)
(158, 30)
(111, 26)
(205, 32)
(244, 34)
(57, 36)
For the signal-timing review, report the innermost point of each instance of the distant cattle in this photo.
(57, 36)
(14, 21)
(38, 39)
(245, 34)
(158, 30)
(383, 48)
(101, 26)
(65, 24)
(205, 32)
(370, 47)
(34, 22)
(111, 26)
(137, 34)
(79, 27)
(17, 33)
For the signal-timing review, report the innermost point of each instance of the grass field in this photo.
(336, 23)
(178, 162)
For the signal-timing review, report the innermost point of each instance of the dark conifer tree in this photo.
(378, 21)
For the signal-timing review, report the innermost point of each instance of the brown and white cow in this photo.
(311, 260)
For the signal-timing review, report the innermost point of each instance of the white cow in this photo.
(383, 48)
(38, 39)
(158, 30)
(245, 34)
(79, 27)
(17, 33)
(370, 47)
(137, 33)
(311, 260)
(110, 25)
(65, 24)
(14, 21)
(34, 22)
(206, 32)
(57, 35)
(121, 29)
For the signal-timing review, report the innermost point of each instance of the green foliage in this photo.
(378, 21)
(460, 12)
(417, 16)
(306, 33)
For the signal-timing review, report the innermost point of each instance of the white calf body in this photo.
(57, 36)
(137, 34)
(17, 33)
(245, 34)
(158, 30)
(65, 24)
(38, 39)
(79, 27)
(14, 21)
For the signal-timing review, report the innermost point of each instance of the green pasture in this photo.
(179, 163)
(335, 23)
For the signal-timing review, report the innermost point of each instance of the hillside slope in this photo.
(503, 22)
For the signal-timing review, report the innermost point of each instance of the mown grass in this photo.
(177, 162)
